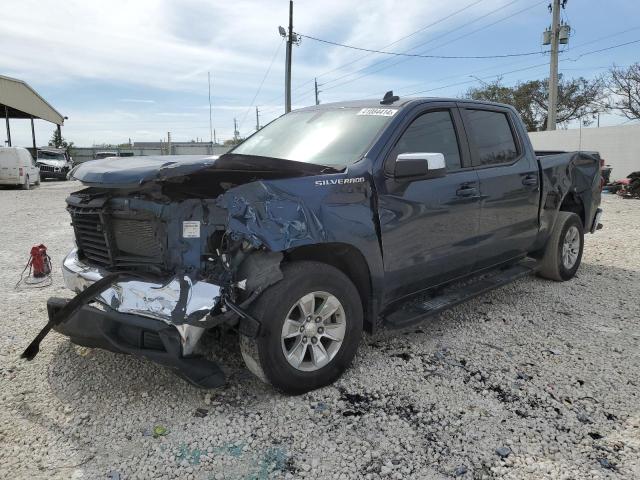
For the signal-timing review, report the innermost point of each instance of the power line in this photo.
(264, 77)
(422, 29)
(426, 42)
(525, 68)
(513, 71)
(579, 46)
(474, 81)
(401, 54)
(607, 36)
(602, 50)
(433, 48)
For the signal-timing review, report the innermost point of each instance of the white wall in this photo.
(619, 146)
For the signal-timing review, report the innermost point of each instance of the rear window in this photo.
(492, 137)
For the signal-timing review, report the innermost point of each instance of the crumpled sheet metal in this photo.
(266, 216)
(179, 301)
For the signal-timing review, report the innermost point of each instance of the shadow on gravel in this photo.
(77, 371)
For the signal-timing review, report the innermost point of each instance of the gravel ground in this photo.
(535, 380)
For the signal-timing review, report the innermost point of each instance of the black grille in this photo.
(91, 234)
(151, 341)
(46, 168)
(136, 237)
(117, 241)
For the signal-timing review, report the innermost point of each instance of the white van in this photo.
(17, 167)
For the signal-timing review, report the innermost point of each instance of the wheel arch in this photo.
(350, 261)
(573, 203)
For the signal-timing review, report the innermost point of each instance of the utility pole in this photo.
(215, 141)
(315, 83)
(35, 148)
(6, 117)
(287, 86)
(210, 111)
(291, 39)
(257, 119)
(553, 73)
(235, 131)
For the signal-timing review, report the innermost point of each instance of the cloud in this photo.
(171, 44)
(176, 114)
(152, 57)
(136, 100)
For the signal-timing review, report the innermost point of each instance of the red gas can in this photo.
(40, 261)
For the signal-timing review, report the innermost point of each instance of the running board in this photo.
(418, 309)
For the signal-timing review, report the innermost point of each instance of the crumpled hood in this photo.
(126, 172)
(52, 163)
(131, 171)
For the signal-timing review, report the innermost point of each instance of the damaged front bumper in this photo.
(155, 320)
(179, 301)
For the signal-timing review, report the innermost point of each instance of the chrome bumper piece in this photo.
(177, 301)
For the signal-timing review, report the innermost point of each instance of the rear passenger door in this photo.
(428, 225)
(509, 183)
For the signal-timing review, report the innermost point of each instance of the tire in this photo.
(27, 184)
(563, 253)
(38, 181)
(266, 355)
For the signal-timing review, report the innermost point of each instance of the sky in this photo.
(137, 69)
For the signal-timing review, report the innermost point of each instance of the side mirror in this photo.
(428, 165)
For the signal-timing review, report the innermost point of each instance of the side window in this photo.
(431, 132)
(492, 137)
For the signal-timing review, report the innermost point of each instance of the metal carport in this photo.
(19, 100)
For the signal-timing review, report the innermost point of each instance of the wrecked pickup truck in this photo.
(330, 220)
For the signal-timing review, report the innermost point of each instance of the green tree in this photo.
(578, 98)
(58, 141)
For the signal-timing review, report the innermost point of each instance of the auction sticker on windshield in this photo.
(381, 112)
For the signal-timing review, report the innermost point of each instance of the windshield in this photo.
(51, 155)
(336, 137)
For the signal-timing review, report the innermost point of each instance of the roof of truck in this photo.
(402, 102)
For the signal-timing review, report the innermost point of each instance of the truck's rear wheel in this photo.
(311, 324)
(563, 253)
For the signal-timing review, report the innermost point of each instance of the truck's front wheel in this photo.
(311, 324)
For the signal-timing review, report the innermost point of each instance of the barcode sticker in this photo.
(383, 112)
(191, 229)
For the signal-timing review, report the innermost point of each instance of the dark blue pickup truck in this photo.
(330, 220)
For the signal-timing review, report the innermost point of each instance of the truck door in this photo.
(428, 225)
(509, 183)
